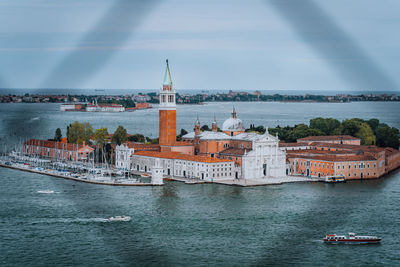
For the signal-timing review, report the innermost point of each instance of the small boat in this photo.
(145, 175)
(335, 179)
(351, 239)
(122, 218)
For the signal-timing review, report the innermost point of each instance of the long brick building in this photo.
(321, 159)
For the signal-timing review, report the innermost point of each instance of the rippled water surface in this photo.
(51, 221)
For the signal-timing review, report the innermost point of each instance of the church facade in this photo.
(219, 154)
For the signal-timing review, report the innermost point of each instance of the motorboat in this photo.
(122, 218)
(351, 239)
(335, 179)
(145, 175)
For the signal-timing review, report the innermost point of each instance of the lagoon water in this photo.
(50, 221)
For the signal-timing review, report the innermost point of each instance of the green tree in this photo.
(78, 132)
(88, 132)
(373, 123)
(359, 128)
(137, 138)
(58, 135)
(100, 136)
(179, 136)
(325, 125)
(387, 137)
(350, 127)
(204, 128)
(120, 136)
(366, 134)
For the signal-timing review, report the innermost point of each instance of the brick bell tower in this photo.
(167, 111)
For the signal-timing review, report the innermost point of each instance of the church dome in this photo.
(233, 124)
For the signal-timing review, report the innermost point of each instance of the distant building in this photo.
(104, 108)
(71, 107)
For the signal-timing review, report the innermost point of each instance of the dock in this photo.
(111, 183)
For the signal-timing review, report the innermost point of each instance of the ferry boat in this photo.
(351, 239)
(335, 179)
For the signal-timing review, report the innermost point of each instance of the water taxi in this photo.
(351, 239)
(335, 179)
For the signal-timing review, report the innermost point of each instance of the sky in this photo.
(221, 44)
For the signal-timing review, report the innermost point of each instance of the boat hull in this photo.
(353, 241)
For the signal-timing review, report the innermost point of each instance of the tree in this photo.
(349, 127)
(179, 137)
(366, 134)
(120, 136)
(77, 132)
(204, 128)
(373, 123)
(137, 138)
(88, 132)
(359, 128)
(100, 136)
(387, 137)
(58, 135)
(325, 125)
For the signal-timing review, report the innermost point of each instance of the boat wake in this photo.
(46, 192)
(71, 220)
(34, 119)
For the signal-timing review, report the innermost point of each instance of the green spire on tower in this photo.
(167, 76)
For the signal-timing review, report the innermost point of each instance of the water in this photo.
(42, 120)
(115, 91)
(201, 225)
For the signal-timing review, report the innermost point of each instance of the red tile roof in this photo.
(141, 146)
(177, 155)
(283, 144)
(323, 152)
(335, 158)
(348, 147)
(328, 138)
(391, 151)
(54, 144)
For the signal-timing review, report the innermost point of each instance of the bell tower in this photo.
(167, 111)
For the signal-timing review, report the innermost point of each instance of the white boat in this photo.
(122, 218)
(351, 239)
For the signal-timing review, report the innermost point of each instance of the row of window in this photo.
(361, 165)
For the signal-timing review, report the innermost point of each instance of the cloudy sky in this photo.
(220, 44)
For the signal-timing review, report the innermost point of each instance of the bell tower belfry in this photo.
(167, 111)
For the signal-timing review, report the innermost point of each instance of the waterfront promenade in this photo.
(247, 182)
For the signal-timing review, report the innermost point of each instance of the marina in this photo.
(71, 171)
